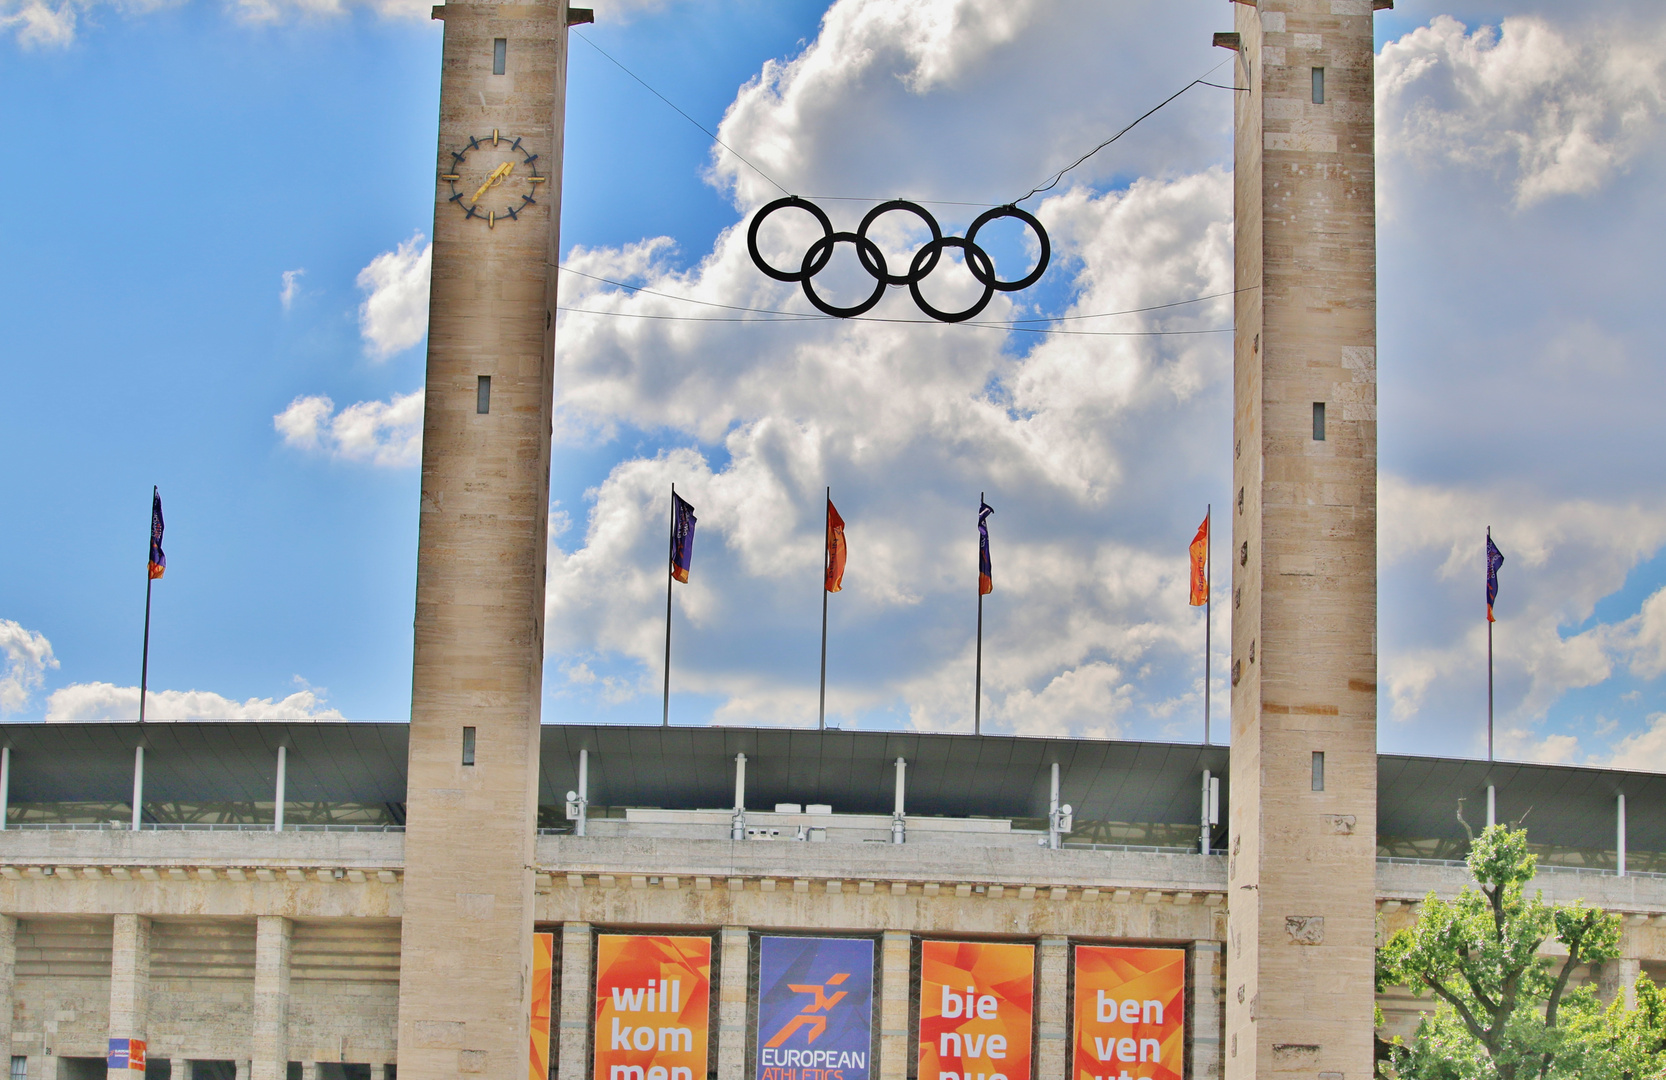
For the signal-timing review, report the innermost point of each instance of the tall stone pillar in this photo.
(1052, 1009)
(8, 983)
(270, 1044)
(896, 954)
(577, 1006)
(129, 982)
(1302, 856)
(1617, 978)
(731, 1009)
(1204, 1010)
(466, 936)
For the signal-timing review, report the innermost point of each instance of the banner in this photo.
(1130, 1013)
(543, 977)
(126, 1054)
(653, 1007)
(975, 1010)
(815, 1008)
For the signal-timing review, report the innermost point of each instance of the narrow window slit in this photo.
(1318, 421)
(1318, 86)
(483, 395)
(468, 746)
(1318, 769)
(500, 55)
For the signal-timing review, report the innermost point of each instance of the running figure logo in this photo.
(821, 1004)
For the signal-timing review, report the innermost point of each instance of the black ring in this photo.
(824, 248)
(973, 253)
(918, 211)
(807, 271)
(1041, 234)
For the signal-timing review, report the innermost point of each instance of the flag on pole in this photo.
(1495, 559)
(835, 549)
(682, 537)
(1200, 565)
(158, 561)
(986, 571)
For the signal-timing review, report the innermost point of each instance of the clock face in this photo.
(493, 178)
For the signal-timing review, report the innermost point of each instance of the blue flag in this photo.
(158, 561)
(682, 537)
(1495, 559)
(986, 570)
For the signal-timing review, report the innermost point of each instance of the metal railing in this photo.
(1544, 867)
(193, 826)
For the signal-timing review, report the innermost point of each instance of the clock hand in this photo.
(498, 175)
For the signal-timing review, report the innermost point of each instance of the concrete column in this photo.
(8, 982)
(273, 934)
(731, 1010)
(1052, 1007)
(129, 982)
(242, 1065)
(309, 1071)
(45, 1066)
(895, 958)
(1205, 1009)
(1302, 843)
(576, 1006)
(465, 966)
(1618, 979)
(378, 1072)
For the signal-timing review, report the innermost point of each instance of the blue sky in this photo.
(152, 337)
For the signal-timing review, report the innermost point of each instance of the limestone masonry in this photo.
(474, 894)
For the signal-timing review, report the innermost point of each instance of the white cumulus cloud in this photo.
(386, 433)
(106, 701)
(1556, 111)
(394, 314)
(28, 658)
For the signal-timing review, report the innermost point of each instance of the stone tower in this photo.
(466, 943)
(1302, 853)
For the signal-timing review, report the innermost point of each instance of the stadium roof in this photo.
(693, 768)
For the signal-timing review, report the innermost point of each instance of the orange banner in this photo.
(976, 1002)
(653, 1007)
(543, 980)
(1199, 555)
(1130, 1013)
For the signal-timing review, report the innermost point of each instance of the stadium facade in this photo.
(474, 894)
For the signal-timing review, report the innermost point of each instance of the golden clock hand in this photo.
(498, 175)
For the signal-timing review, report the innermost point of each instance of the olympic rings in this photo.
(925, 259)
(819, 254)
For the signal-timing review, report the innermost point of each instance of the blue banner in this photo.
(815, 1008)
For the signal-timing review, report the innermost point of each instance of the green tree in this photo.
(1500, 1005)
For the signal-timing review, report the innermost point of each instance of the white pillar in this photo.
(279, 798)
(1052, 1009)
(737, 826)
(8, 982)
(1053, 811)
(583, 792)
(1620, 834)
(138, 784)
(5, 782)
(1203, 837)
(1492, 806)
(899, 822)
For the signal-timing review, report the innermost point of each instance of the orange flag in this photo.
(1200, 565)
(835, 549)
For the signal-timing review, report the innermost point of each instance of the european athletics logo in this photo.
(815, 1008)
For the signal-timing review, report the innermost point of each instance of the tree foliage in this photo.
(1505, 1012)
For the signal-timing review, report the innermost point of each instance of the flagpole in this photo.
(977, 700)
(671, 543)
(1208, 601)
(144, 660)
(1489, 664)
(827, 523)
